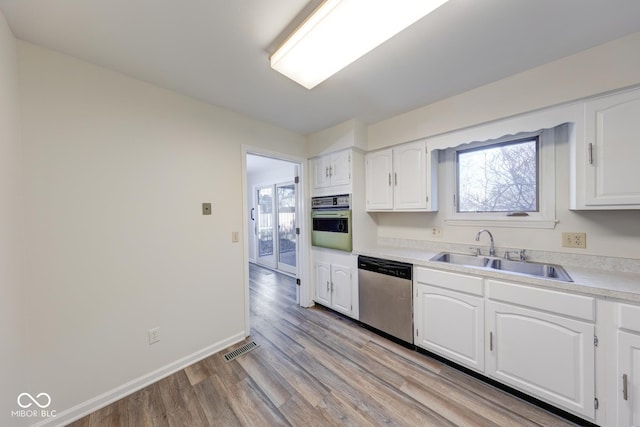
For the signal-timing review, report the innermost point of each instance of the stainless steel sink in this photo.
(535, 269)
(551, 271)
(460, 259)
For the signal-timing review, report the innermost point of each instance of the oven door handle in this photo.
(328, 214)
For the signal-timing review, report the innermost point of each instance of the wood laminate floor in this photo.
(316, 368)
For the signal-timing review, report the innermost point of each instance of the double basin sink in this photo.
(533, 269)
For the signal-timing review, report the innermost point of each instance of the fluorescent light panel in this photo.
(340, 31)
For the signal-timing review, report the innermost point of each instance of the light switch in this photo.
(206, 209)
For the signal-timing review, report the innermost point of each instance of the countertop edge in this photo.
(592, 282)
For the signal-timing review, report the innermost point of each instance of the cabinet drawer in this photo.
(578, 306)
(457, 282)
(629, 317)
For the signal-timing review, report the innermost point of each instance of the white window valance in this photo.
(529, 122)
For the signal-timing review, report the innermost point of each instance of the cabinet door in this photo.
(629, 372)
(547, 356)
(450, 324)
(379, 187)
(613, 151)
(321, 177)
(322, 275)
(342, 289)
(409, 177)
(340, 168)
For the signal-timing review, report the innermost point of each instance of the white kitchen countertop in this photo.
(588, 281)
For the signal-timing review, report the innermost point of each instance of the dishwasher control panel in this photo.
(389, 268)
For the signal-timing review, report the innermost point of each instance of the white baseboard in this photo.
(70, 415)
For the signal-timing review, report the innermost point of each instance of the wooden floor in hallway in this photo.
(313, 367)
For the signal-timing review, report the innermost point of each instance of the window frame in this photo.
(545, 217)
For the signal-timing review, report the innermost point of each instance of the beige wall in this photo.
(116, 171)
(12, 333)
(601, 69)
(349, 134)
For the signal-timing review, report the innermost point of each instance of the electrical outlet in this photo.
(574, 240)
(206, 208)
(154, 335)
(436, 232)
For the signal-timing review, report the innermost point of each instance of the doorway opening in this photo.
(275, 225)
(276, 218)
(273, 202)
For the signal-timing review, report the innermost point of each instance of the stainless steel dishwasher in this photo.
(385, 296)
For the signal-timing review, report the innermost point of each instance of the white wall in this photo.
(604, 68)
(116, 171)
(349, 134)
(12, 381)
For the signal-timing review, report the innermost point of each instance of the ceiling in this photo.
(257, 165)
(217, 50)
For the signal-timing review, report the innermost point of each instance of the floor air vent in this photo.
(240, 351)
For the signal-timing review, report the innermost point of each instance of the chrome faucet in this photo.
(492, 249)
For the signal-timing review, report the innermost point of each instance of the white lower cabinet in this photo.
(449, 316)
(542, 342)
(628, 366)
(335, 282)
(547, 356)
(628, 396)
(536, 340)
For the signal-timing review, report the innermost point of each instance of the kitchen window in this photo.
(499, 177)
(507, 181)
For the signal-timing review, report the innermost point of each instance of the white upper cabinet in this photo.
(402, 178)
(332, 170)
(410, 176)
(607, 169)
(379, 186)
(340, 168)
(320, 170)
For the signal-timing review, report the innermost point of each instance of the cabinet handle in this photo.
(590, 153)
(330, 170)
(625, 390)
(389, 179)
(490, 341)
(326, 171)
(395, 177)
(327, 286)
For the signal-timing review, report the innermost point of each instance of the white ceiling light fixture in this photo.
(340, 31)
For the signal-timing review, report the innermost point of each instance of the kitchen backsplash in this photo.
(602, 263)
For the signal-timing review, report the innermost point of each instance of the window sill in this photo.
(505, 222)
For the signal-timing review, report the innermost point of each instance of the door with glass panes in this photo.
(276, 238)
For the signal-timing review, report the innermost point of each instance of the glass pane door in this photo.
(265, 226)
(286, 204)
